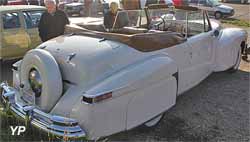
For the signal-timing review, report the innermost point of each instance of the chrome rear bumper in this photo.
(53, 124)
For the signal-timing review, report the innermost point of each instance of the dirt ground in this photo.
(242, 11)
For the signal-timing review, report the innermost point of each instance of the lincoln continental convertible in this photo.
(93, 82)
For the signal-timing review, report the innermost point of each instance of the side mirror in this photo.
(216, 33)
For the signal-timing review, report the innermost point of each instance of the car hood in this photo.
(85, 60)
(225, 7)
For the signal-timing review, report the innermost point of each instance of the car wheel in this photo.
(237, 64)
(154, 121)
(41, 75)
(218, 15)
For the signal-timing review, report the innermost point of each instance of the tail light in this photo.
(96, 99)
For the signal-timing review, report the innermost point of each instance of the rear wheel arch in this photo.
(218, 15)
(154, 122)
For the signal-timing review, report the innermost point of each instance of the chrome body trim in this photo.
(56, 125)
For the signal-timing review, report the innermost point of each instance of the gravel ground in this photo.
(242, 11)
(215, 110)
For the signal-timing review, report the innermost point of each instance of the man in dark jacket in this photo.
(52, 22)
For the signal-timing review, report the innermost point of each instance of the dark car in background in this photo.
(36, 2)
(75, 7)
(3, 2)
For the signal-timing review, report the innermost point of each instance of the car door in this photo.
(15, 40)
(201, 41)
(32, 18)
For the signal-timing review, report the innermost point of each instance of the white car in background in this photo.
(92, 84)
(214, 8)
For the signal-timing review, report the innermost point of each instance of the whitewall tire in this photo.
(237, 63)
(155, 121)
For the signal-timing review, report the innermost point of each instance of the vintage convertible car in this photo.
(93, 83)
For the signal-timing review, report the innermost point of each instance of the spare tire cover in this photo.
(50, 74)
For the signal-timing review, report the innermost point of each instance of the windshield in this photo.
(214, 2)
(130, 18)
(165, 15)
(188, 23)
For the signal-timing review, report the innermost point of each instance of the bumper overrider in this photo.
(52, 124)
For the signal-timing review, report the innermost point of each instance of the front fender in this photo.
(228, 45)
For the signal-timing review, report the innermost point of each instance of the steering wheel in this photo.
(163, 22)
(157, 25)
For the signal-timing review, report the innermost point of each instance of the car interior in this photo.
(152, 30)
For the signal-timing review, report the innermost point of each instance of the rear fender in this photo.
(152, 69)
(129, 86)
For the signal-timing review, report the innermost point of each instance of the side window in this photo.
(32, 18)
(195, 23)
(11, 20)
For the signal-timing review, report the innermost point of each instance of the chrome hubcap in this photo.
(35, 82)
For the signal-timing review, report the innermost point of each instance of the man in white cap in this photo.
(52, 22)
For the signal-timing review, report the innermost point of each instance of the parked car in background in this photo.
(19, 33)
(180, 2)
(236, 1)
(214, 8)
(92, 84)
(26, 2)
(36, 2)
(139, 4)
(75, 7)
(17, 2)
(62, 3)
(3, 2)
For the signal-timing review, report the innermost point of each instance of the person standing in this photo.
(109, 17)
(52, 22)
